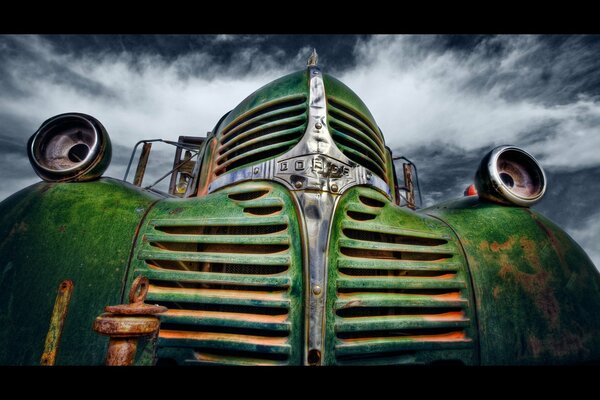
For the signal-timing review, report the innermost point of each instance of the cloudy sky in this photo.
(442, 101)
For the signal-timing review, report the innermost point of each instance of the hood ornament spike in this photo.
(313, 59)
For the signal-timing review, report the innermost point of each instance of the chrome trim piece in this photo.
(315, 163)
(317, 173)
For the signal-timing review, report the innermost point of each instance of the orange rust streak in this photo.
(445, 276)
(446, 337)
(277, 319)
(449, 316)
(228, 294)
(223, 337)
(496, 247)
(219, 359)
(448, 296)
(458, 336)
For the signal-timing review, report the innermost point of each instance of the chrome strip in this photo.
(317, 172)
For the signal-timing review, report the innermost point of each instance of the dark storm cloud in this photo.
(442, 101)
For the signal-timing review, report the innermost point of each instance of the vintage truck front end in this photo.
(287, 243)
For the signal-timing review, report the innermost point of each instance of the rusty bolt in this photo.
(126, 323)
(317, 290)
(318, 125)
(298, 184)
(334, 188)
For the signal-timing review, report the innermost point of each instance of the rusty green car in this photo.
(285, 238)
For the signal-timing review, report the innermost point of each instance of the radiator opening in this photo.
(223, 229)
(244, 196)
(368, 201)
(226, 308)
(394, 255)
(263, 210)
(391, 273)
(250, 269)
(256, 114)
(448, 333)
(424, 292)
(385, 237)
(254, 158)
(360, 216)
(370, 131)
(395, 357)
(431, 312)
(221, 248)
(223, 329)
(354, 152)
(218, 286)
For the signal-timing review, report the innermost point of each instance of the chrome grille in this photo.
(398, 294)
(227, 281)
(356, 137)
(261, 133)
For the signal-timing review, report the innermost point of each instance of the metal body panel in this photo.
(228, 266)
(51, 232)
(536, 290)
(399, 289)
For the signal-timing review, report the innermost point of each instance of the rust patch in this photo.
(509, 244)
(565, 344)
(537, 285)
(496, 292)
(484, 246)
(62, 228)
(126, 323)
(57, 321)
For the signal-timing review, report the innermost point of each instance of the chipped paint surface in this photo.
(537, 292)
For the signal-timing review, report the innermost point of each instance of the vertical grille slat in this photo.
(227, 281)
(397, 287)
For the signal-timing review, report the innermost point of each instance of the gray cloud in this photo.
(442, 101)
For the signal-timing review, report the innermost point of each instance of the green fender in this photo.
(536, 291)
(50, 232)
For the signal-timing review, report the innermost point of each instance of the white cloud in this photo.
(419, 96)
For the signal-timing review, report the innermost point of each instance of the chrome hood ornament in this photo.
(313, 59)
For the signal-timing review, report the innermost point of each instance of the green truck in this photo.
(285, 238)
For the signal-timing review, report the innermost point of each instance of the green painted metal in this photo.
(398, 287)
(536, 290)
(354, 130)
(229, 267)
(51, 232)
(338, 90)
(288, 85)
